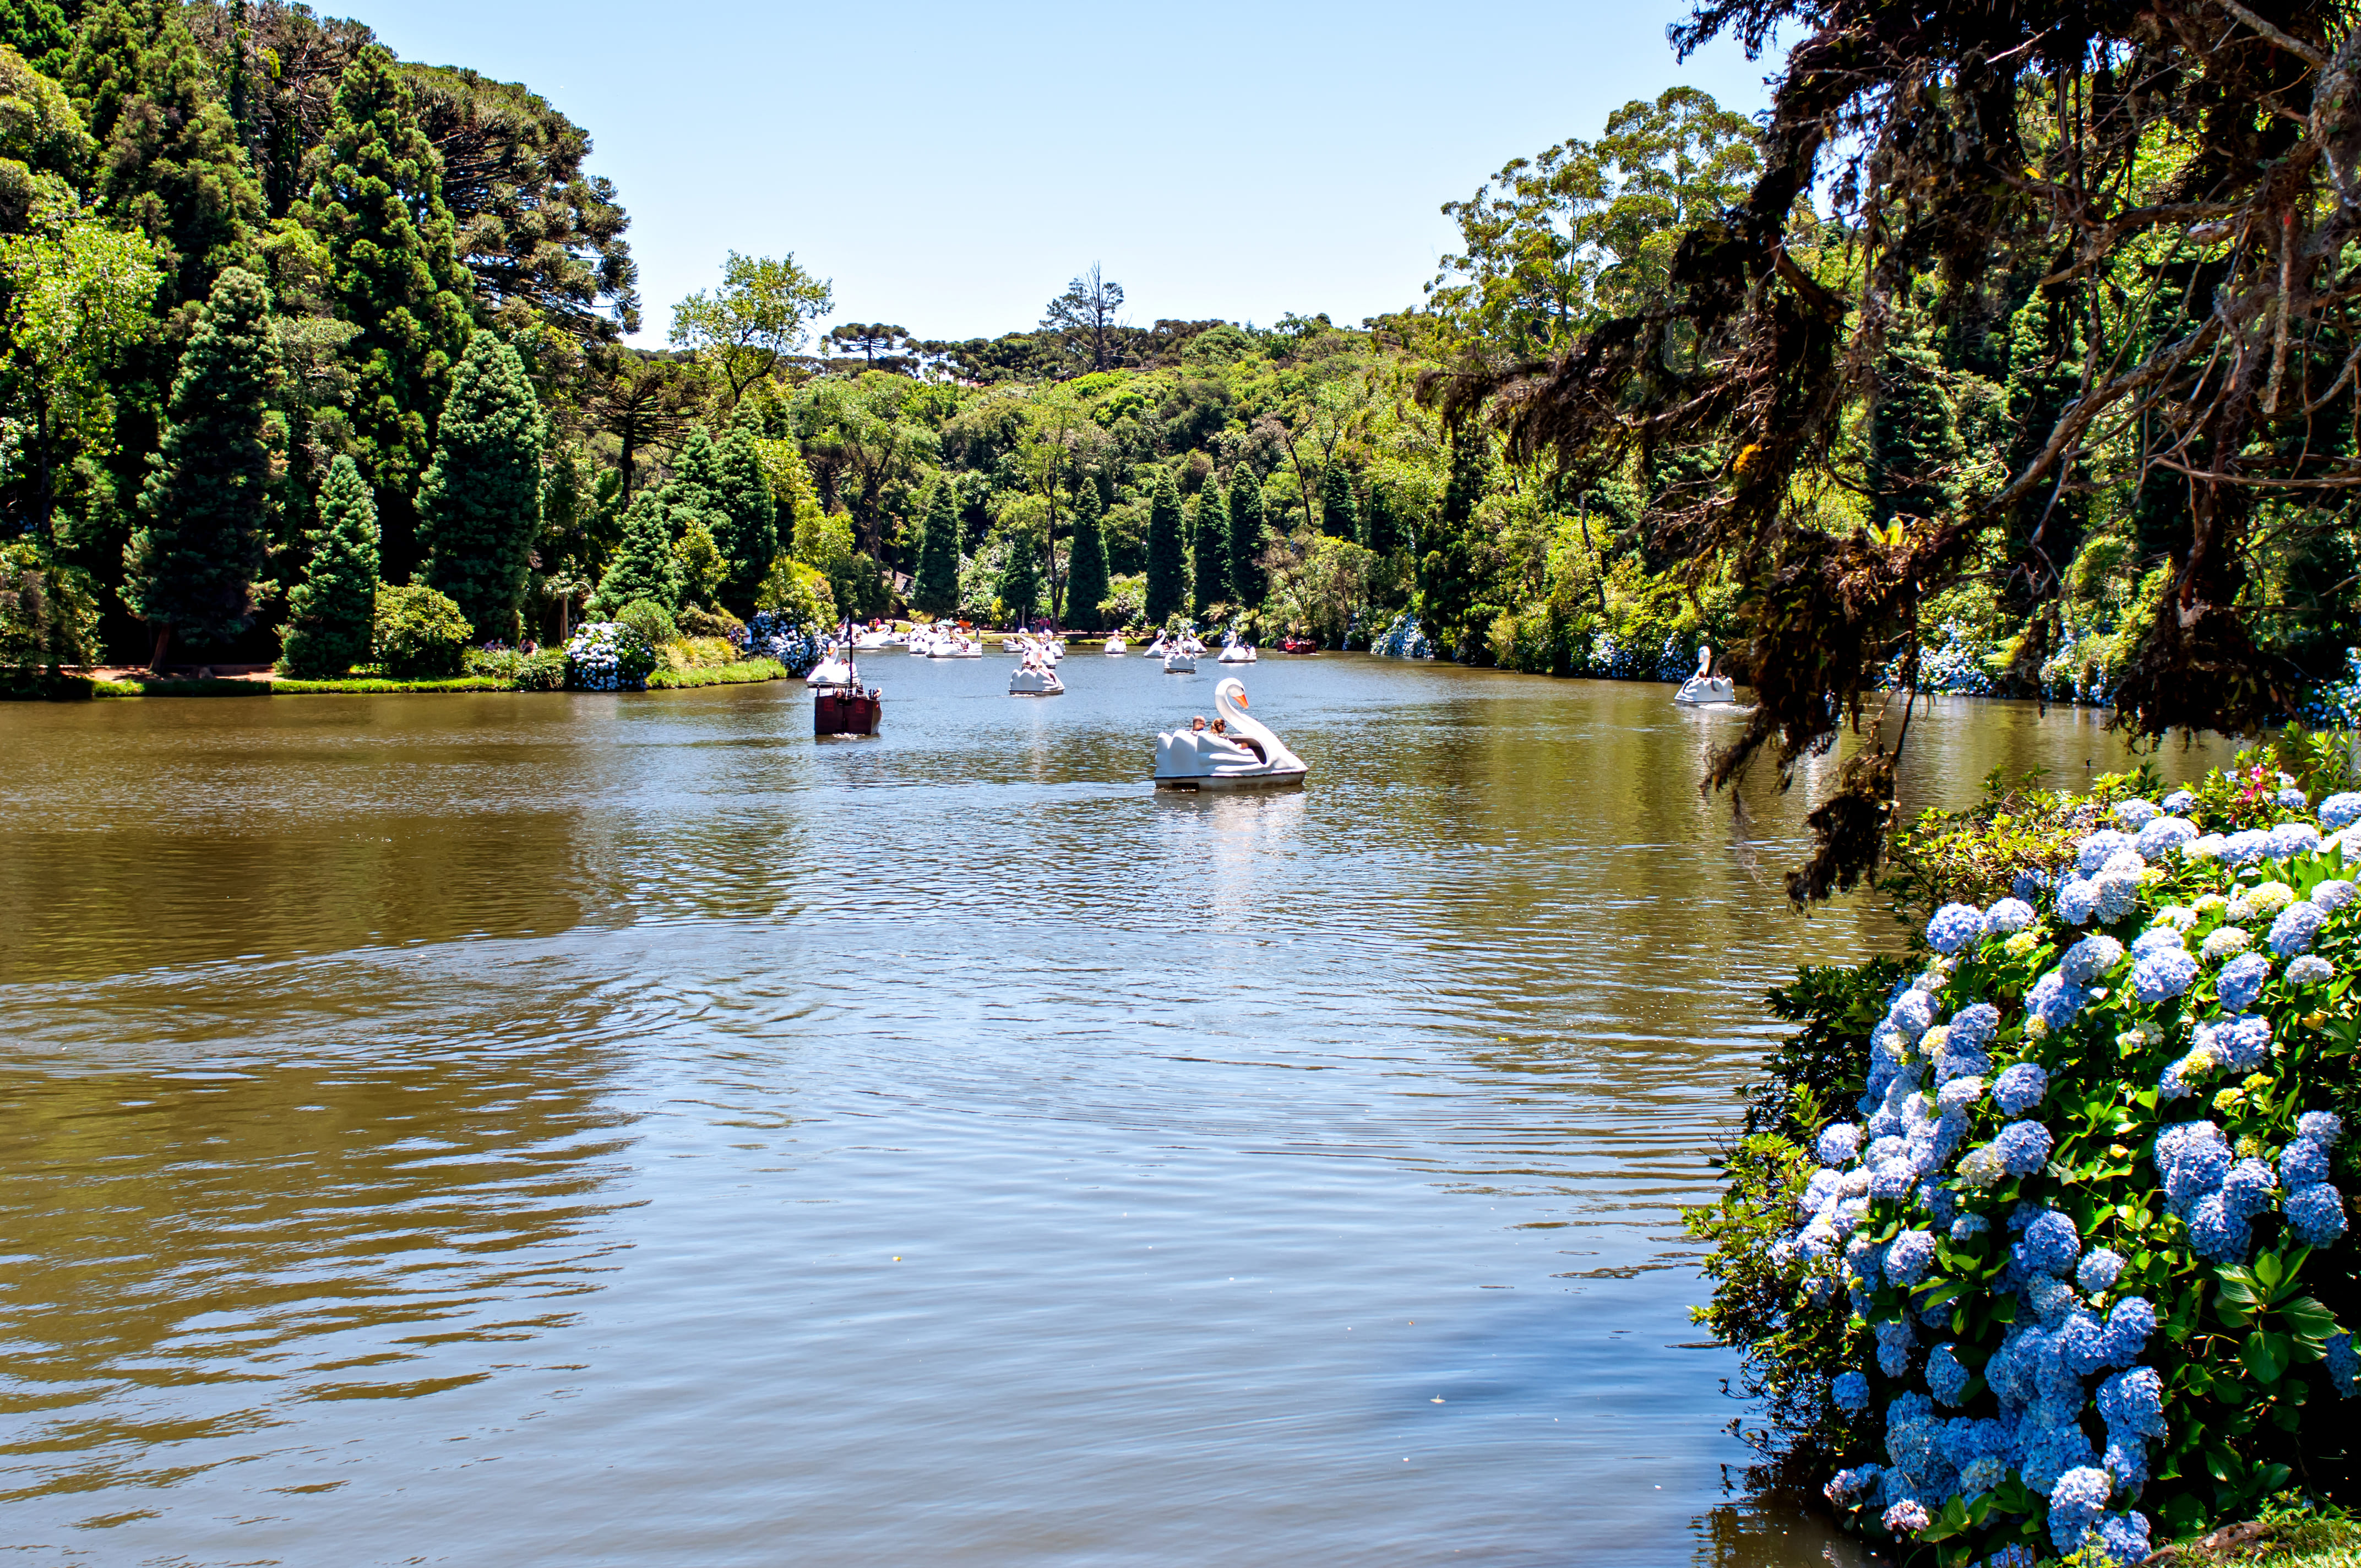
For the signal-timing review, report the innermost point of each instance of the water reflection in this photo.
(572, 1129)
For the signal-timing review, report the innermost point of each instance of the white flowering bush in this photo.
(2054, 1255)
(605, 656)
(779, 634)
(1402, 640)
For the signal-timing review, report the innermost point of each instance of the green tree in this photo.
(760, 316)
(1168, 553)
(1381, 529)
(332, 613)
(479, 510)
(936, 590)
(1086, 562)
(1020, 575)
(378, 202)
(1339, 518)
(1914, 434)
(190, 567)
(644, 567)
(1245, 539)
(696, 481)
(1448, 572)
(746, 519)
(1208, 540)
(38, 30)
(170, 163)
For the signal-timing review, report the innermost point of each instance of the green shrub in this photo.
(542, 672)
(420, 633)
(651, 620)
(696, 620)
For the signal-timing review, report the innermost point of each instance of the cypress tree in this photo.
(190, 567)
(1086, 562)
(1209, 544)
(331, 612)
(1168, 557)
(171, 161)
(1381, 529)
(696, 482)
(378, 204)
(644, 567)
(1245, 541)
(937, 589)
(37, 29)
(1020, 575)
(1339, 519)
(479, 510)
(746, 525)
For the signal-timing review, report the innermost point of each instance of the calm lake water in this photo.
(570, 1130)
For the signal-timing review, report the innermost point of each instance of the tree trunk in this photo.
(163, 642)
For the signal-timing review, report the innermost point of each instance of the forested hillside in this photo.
(244, 245)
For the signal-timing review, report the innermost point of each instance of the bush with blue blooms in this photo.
(2044, 1248)
(606, 656)
(774, 634)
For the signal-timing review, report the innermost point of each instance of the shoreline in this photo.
(80, 686)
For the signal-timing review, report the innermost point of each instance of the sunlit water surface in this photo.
(518, 1130)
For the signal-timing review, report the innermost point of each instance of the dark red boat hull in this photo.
(846, 713)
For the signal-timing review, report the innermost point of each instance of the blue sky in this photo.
(949, 166)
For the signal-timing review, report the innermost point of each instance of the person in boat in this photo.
(1196, 724)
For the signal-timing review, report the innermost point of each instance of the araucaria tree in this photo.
(330, 613)
(377, 203)
(745, 519)
(479, 510)
(1209, 541)
(191, 566)
(1086, 560)
(1168, 559)
(1339, 518)
(1245, 541)
(937, 589)
(644, 567)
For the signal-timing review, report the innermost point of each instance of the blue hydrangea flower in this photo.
(1848, 1488)
(2029, 885)
(1913, 1013)
(1973, 1028)
(2078, 900)
(1969, 1226)
(2323, 1127)
(2051, 1451)
(2163, 836)
(2099, 1270)
(2050, 1299)
(2054, 1000)
(1945, 1376)
(1851, 1391)
(2215, 1233)
(2193, 1158)
(2007, 916)
(2087, 961)
(2020, 1088)
(2241, 980)
(2248, 1190)
(2296, 928)
(2164, 974)
(2292, 798)
(2340, 811)
(2180, 800)
(2133, 1402)
(1894, 1342)
(2291, 838)
(2126, 1458)
(2051, 1244)
(1960, 1093)
(1907, 1516)
(2243, 1044)
(2076, 1502)
(2082, 1341)
(2245, 846)
(2344, 1362)
(2309, 970)
(2304, 1163)
(2316, 1213)
(2130, 1321)
(2123, 1539)
(1954, 927)
(1980, 1476)
(2117, 894)
(2333, 894)
(2023, 1147)
(1837, 1144)
(2131, 815)
(2157, 939)
(2093, 851)
(1910, 1256)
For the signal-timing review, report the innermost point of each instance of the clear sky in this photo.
(949, 166)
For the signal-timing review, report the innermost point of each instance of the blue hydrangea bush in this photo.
(775, 634)
(605, 656)
(2067, 1267)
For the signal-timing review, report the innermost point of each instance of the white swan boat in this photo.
(871, 641)
(1035, 677)
(1234, 652)
(1703, 689)
(1179, 661)
(834, 672)
(1248, 756)
(1158, 649)
(1115, 645)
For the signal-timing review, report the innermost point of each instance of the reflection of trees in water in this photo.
(193, 1257)
(1748, 1535)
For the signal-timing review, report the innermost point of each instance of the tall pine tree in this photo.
(1209, 541)
(38, 30)
(937, 589)
(189, 567)
(746, 530)
(377, 203)
(479, 508)
(1246, 585)
(1086, 560)
(1168, 553)
(331, 612)
(1339, 519)
(644, 567)
(696, 481)
(1381, 529)
(1448, 573)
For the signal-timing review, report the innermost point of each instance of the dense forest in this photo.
(286, 317)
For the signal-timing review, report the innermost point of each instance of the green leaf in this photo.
(2263, 1359)
(2269, 1270)
(2310, 1323)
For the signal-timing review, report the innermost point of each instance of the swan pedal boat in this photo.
(834, 672)
(1035, 680)
(1179, 664)
(1703, 689)
(1115, 645)
(1248, 757)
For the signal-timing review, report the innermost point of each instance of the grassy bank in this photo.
(2280, 1543)
(68, 687)
(746, 672)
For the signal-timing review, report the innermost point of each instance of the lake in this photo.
(625, 1130)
